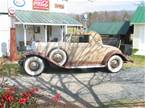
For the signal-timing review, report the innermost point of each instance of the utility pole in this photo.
(85, 19)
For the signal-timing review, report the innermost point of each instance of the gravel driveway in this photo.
(86, 88)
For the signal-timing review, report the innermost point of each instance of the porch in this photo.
(42, 27)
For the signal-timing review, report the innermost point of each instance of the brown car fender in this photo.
(32, 53)
(110, 54)
(28, 54)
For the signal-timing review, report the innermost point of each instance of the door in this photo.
(49, 33)
(79, 51)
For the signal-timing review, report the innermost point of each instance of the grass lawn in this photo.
(125, 103)
(138, 61)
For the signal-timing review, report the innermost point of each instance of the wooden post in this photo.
(62, 30)
(13, 46)
(65, 29)
(25, 36)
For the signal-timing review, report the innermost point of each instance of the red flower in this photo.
(26, 94)
(9, 98)
(30, 92)
(57, 97)
(2, 103)
(23, 101)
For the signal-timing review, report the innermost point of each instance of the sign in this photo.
(41, 4)
(59, 6)
(11, 11)
(19, 3)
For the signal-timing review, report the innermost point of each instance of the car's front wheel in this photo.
(34, 65)
(115, 63)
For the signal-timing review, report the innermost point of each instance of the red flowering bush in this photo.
(57, 97)
(10, 97)
(13, 97)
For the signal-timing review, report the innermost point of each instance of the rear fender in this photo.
(110, 54)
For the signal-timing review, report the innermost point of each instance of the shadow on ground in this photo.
(76, 87)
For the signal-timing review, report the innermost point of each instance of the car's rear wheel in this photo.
(34, 66)
(114, 63)
(58, 56)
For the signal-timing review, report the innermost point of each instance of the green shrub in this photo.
(10, 69)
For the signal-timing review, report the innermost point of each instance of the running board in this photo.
(82, 67)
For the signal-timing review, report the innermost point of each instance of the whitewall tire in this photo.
(115, 63)
(34, 66)
(58, 56)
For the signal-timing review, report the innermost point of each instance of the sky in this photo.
(82, 6)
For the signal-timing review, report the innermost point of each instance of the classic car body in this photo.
(84, 50)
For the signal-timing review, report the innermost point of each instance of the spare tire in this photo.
(58, 56)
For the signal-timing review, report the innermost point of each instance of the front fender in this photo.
(34, 53)
(29, 54)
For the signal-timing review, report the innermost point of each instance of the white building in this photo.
(34, 20)
(138, 20)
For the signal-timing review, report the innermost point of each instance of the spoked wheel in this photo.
(34, 66)
(115, 63)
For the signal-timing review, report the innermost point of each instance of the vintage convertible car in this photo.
(83, 50)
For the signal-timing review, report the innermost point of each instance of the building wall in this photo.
(3, 6)
(139, 36)
(4, 34)
(19, 33)
(41, 35)
(56, 32)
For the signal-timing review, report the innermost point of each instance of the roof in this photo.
(139, 15)
(45, 18)
(110, 28)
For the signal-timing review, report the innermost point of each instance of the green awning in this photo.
(110, 28)
(45, 18)
(139, 16)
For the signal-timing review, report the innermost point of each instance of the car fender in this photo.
(32, 53)
(38, 54)
(111, 53)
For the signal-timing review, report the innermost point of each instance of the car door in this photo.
(79, 51)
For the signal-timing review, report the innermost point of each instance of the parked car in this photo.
(83, 50)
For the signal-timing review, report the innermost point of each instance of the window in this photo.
(84, 38)
(80, 39)
(37, 29)
(49, 33)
